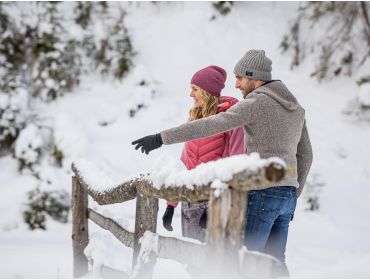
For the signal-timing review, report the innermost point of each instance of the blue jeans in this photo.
(269, 213)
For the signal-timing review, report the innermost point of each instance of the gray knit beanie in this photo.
(254, 65)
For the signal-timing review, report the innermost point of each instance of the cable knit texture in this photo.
(211, 79)
(254, 65)
(274, 124)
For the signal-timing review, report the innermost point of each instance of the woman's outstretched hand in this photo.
(148, 143)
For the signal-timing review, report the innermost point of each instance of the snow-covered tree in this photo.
(335, 34)
(13, 116)
(46, 46)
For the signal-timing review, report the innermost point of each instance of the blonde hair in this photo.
(208, 108)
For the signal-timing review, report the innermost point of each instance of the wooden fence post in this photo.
(236, 220)
(146, 219)
(80, 232)
(225, 232)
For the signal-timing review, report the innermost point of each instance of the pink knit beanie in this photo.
(211, 79)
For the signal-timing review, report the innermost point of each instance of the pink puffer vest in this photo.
(214, 147)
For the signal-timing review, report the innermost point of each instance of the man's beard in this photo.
(248, 90)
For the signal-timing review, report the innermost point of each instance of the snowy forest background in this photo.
(84, 79)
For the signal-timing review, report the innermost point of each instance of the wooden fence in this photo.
(222, 256)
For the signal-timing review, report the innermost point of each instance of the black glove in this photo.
(167, 217)
(203, 219)
(148, 143)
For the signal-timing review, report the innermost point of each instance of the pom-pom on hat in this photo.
(211, 79)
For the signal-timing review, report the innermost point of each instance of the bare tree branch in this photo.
(365, 19)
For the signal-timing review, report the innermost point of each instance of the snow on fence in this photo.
(224, 182)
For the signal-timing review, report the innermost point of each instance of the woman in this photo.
(206, 87)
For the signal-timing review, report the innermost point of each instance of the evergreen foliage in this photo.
(43, 204)
(223, 7)
(44, 49)
(12, 117)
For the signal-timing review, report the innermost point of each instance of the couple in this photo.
(274, 126)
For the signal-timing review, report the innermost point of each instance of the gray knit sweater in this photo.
(274, 124)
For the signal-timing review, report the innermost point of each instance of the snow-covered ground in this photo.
(173, 40)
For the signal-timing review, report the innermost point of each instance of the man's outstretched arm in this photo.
(236, 116)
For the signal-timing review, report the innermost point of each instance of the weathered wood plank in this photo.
(236, 220)
(225, 228)
(218, 212)
(120, 233)
(124, 192)
(80, 233)
(182, 251)
(246, 180)
(146, 219)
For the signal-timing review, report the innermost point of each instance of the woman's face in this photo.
(195, 93)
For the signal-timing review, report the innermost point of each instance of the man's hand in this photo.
(148, 143)
(167, 218)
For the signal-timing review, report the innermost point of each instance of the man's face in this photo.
(245, 85)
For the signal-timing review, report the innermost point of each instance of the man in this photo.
(275, 126)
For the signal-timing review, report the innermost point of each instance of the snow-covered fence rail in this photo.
(227, 196)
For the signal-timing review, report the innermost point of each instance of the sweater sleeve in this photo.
(304, 158)
(238, 115)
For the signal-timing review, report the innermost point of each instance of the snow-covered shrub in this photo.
(356, 110)
(46, 46)
(359, 107)
(36, 51)
(105, 39)
(47, 50)
(223, 7)
(335, 34)
(143, 90)
(55, 204)
(68, 140)
(12, 117)
(311, 195)
(28, 147)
